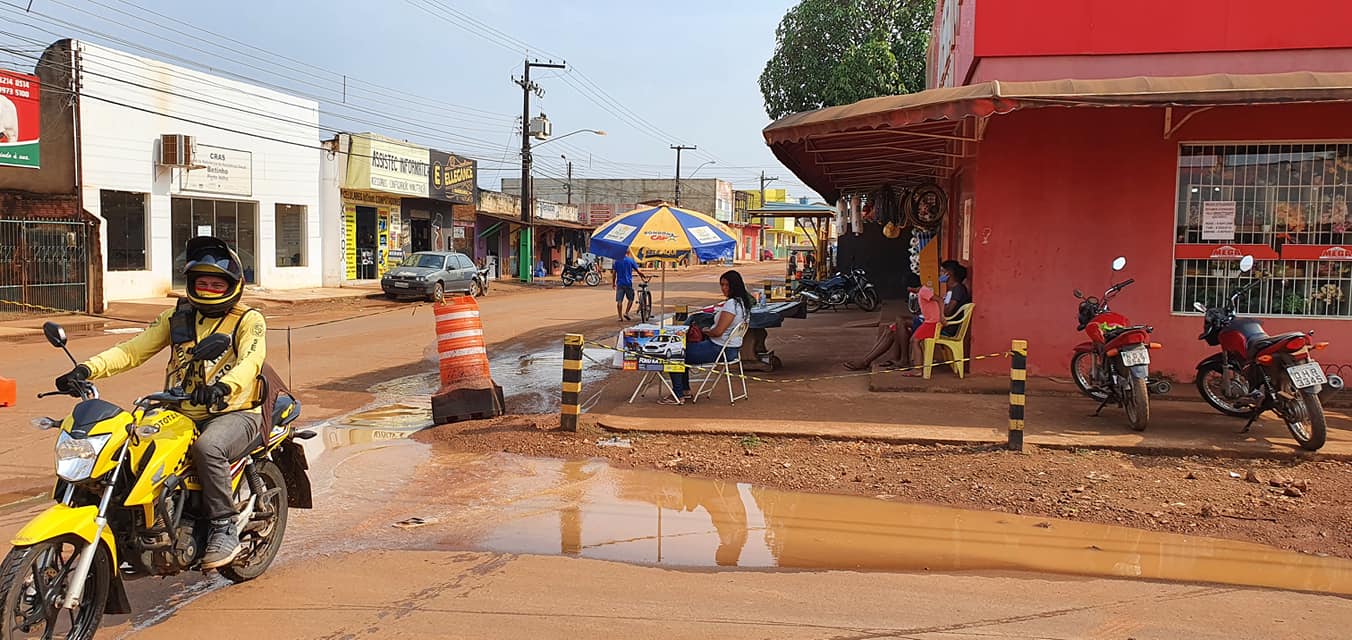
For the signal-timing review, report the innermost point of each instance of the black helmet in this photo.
(208, 256)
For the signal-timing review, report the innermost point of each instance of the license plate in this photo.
(1136, 357)
(1306, 375)
(401, 285)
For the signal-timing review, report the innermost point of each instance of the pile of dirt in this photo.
(1302, 505)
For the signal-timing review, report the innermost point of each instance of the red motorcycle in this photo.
(1255, 372)
(1114, 366)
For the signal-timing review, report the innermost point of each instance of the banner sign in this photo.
(451, 178)
(227, 171)
(20, 120)
(390, 166)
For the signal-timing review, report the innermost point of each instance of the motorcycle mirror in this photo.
(211, 347)
(1078, 294)
(1199, 307)
(56, 335)
(1119, 263)
(1246, 264)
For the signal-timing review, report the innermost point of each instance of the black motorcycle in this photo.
(583, 270)
(838, 291)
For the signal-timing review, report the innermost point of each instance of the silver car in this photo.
(430, 274)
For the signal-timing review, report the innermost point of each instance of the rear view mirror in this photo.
(1078, 294)
(1119, 263)
(211, 347)
(1201, 308)
(1246, 264)
(55, 334)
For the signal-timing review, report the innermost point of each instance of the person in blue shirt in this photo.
(623, 282)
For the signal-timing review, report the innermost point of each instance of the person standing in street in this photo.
(622, 281)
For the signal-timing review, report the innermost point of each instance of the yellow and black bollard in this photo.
(1018, 392)
(572, 381)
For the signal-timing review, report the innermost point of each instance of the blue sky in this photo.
(650, 74)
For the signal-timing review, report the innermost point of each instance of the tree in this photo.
(830, 52)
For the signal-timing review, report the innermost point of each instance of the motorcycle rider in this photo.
(225, 403)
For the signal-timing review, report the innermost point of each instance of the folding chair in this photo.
(722, 368)
(955, 344)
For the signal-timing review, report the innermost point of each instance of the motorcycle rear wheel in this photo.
(813, 304)
(1310, 429)
(261, 546)
(32, 602)
(1081, 371)
(1137, 404)
(567, 280)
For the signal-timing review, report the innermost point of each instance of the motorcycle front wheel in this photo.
(1082, 372)
(1137, 404)
(261, 537)
(1211, 384)
(33, 581)
(1304, 417)
(593, 278)
(867, 300)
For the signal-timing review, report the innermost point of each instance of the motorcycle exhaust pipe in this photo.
(1334, 385)
(1160, 387)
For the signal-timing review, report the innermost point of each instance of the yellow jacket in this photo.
(238, 368)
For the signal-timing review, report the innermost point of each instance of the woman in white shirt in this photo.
(734, 312)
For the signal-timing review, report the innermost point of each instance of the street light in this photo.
(701, 166)
(571, 133)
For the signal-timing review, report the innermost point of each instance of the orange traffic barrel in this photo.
(467, 388)
(9, 393)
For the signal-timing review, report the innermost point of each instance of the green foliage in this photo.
(831, 52)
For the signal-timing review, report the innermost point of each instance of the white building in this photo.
(252, 178)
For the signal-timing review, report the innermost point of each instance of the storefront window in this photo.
(124, 216)
(290, 235)
(1284, 204)
(233, 222)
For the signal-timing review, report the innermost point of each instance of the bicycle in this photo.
(645, 301)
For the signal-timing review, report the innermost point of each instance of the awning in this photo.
(539, 222)
(792, 210)
(918, 137)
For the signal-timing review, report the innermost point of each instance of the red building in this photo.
(1181, 135)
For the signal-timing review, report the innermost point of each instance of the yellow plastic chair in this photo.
(954, 344)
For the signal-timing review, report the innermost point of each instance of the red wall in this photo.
(1094, 27)
(1061, 192)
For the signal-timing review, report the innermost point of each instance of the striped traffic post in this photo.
(1018, 392)
(572, 381)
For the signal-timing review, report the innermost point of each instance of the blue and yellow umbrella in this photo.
(664, 232)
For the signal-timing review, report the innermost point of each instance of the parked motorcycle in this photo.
(1255, 372)
(1114, 366)
(583, 270)
(838, 291)
(480, 283)
(129, 505)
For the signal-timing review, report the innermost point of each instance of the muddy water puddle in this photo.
(592, 510)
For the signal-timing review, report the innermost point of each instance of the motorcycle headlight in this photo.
(75, 456)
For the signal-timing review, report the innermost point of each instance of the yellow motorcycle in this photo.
(129, 506)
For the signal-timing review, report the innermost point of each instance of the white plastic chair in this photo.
(722, 368)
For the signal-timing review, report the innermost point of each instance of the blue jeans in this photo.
(702, 352)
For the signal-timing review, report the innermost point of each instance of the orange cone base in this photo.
(458, 405)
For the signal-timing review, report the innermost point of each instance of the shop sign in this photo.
(546, 210)
(1223, 251)
(20, 120)
(390, 166)
(219, 170)
(451, 178)
(1218, 220)
(1316, 252)
(599, 213)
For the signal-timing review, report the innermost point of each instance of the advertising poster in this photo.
(20, 120)
(350, 240)
(1218, 220)
(654, 349)
(451, 178)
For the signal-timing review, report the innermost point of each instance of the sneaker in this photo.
(222, 544)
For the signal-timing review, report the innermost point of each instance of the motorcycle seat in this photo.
(1113, 334)
(1259, 343)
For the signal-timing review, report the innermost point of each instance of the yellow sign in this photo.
(350, 230)
(390, 166)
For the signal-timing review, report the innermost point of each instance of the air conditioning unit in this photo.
(177, 150)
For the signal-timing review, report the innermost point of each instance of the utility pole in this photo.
(678, 149)
(527, 209)
(763, 181)
(570, 182)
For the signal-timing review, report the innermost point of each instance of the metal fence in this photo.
(44, 263)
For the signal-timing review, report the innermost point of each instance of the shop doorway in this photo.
(234, 222)
(366, 244)
(420, 235)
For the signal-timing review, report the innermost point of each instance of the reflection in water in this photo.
(391, 422)
(593, 510)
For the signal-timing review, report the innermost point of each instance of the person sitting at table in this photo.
(733, 312)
